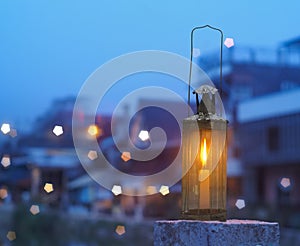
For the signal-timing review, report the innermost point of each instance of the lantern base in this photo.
(204, 214)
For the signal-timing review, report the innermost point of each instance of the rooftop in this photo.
(268, 106)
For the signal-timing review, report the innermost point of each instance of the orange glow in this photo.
(203, 152)
(94, 130)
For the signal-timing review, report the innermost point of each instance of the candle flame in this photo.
(203, 152)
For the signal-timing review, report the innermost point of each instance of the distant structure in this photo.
(252, 72)
(269, 135)
(261, 91)
(261, 95)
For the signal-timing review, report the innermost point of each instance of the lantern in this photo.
(204, 159)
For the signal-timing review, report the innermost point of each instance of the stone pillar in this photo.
(214, 233)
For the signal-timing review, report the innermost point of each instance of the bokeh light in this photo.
(126, 156)
(48, 187)
(3, 193)
(144, 135)
(13, 133)
(240, 203)
(285, 182)
(229, 42)
(5, 161)
(11, 235)
(58, 130)
(34, 209)
(92, 155)
(164, 190)
(5, 128)
(117, 190)
(120, 230)
(94, 130)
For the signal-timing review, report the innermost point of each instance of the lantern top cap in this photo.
(205, 89)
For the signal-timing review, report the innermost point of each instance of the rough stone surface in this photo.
(214, 233)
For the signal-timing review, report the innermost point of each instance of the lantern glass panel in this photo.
(204, 168)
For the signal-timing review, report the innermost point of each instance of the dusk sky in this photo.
(49, 48)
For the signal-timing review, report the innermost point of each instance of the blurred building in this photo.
(259, 92)
(250, 76)
(269, 135)
(260, 95)
(252, 72)
(46, 156)
(143, 121)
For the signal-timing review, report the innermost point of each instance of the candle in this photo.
(204, 177)
(204, 189)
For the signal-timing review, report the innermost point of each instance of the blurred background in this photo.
(49, 48)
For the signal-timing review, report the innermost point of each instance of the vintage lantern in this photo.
(204, 157)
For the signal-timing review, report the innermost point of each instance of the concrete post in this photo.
(214, 233)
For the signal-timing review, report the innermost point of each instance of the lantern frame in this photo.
(204, 155)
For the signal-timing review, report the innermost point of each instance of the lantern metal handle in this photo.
(191, 58)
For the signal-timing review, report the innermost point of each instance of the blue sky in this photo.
(49, 48)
